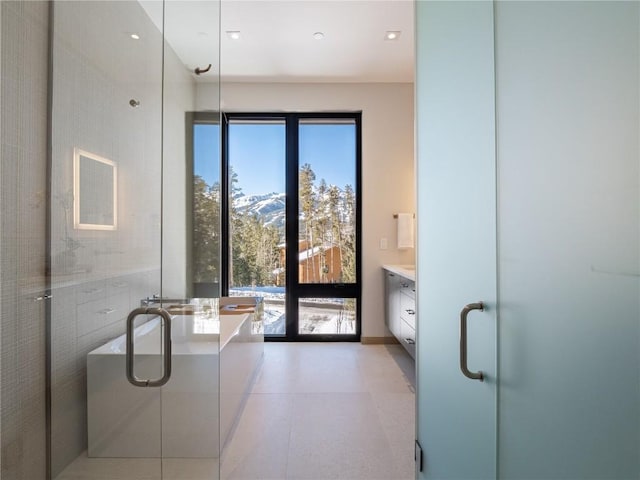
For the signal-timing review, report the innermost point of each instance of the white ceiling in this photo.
(277, 43)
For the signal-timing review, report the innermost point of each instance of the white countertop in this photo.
(406, 271)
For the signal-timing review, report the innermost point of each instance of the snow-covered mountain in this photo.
(269, 206)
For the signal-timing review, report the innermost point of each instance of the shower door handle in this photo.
(463, 341)
(166, 354)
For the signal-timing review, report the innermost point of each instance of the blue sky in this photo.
(257, 154)
(206, 147)
(331, 152)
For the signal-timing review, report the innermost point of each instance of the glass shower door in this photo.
(138, 402)
(105, 238)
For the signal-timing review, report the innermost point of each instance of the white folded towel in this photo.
(405, 230)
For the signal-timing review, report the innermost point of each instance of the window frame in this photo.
(295, 291)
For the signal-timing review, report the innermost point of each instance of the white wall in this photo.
(388, 184)
(179, 96)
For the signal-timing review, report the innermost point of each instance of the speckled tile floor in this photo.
(316, 411)
(327, 411)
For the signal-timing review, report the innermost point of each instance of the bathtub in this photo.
(214, 359)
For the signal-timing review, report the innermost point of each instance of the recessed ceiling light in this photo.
(135, 36)
(233, 34)
(392, 35)
(318, 35)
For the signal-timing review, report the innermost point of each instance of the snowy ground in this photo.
(317, 316)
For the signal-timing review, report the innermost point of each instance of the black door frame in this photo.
(294, 289)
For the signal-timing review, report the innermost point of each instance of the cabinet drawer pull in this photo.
(410, 341)
(410, 312)
(92, 290)
(119, 284)
(107, 311)
(404, 285)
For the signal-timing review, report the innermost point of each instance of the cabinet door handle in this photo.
(410, 312)
(463, 341)
(410, 341)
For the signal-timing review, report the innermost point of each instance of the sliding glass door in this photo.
(292, 200)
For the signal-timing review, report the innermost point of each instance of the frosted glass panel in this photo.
(567, 75)
(456, 231)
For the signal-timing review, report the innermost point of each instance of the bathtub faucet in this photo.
(145, 302)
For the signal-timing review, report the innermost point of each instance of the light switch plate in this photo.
(384, 243)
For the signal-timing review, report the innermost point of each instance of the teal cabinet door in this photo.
(528, 137)
(568, 161)
(457, 238)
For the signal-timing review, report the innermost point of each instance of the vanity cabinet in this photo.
(392, 307)
(400, 314)
(408, 315)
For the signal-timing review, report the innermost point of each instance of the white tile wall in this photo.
(23, 126)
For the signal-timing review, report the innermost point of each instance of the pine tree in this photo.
(206, 224)
(335, 221)
(306, 179)
(349, 234)
(321, 224)
(237, 263)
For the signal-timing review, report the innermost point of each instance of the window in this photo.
(292, 202)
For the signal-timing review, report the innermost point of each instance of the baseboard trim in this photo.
(379, 340)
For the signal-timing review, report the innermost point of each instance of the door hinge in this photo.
(418, 457)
